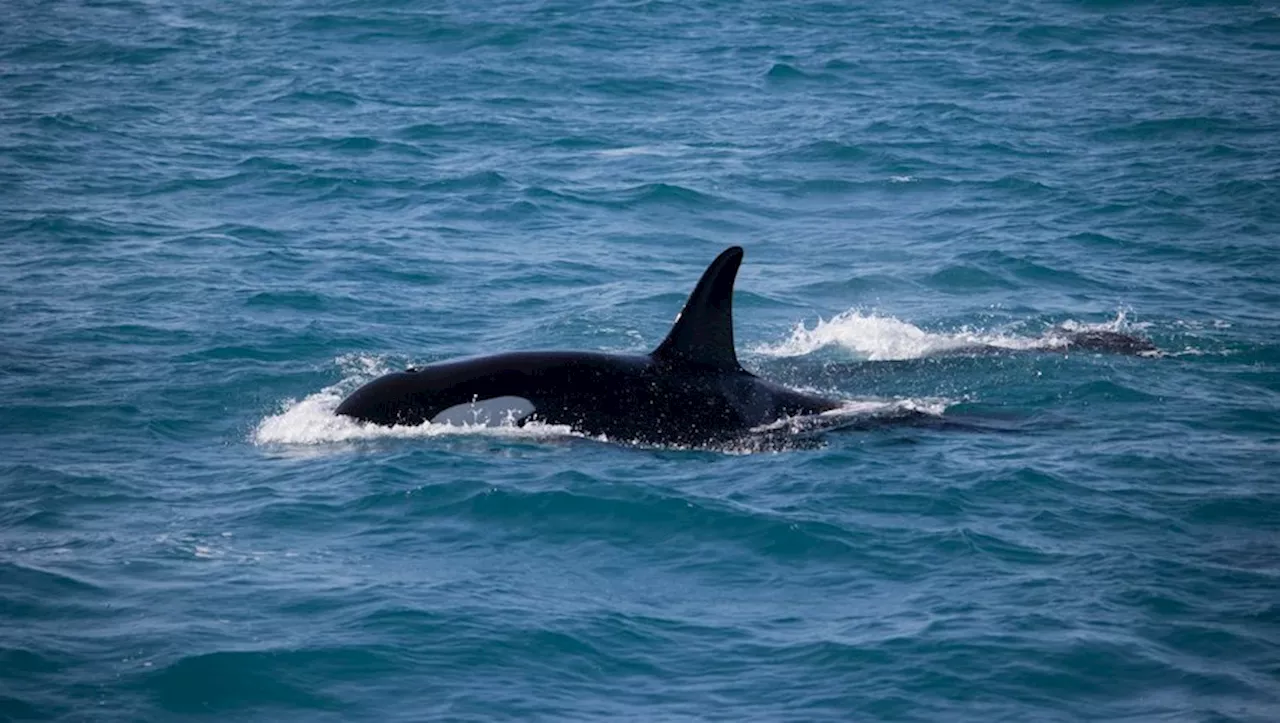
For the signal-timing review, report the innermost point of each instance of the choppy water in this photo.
(218, 217)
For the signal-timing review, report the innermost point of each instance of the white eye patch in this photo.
(494, 412)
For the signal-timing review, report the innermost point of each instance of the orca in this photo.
(1112, 342)
(1067, 340)
(689, 391)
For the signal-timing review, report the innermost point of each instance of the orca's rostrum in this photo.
(691, 390)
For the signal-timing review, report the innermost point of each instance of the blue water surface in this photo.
(217, 218)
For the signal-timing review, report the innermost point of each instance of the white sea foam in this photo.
(883, 338)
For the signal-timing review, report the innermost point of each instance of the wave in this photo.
(873, 337)
(231, 680)
(786, 73)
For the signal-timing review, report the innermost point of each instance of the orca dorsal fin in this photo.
(703, 332)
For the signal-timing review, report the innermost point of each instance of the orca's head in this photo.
(415, 396)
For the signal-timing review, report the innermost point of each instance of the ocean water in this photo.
(217, 218)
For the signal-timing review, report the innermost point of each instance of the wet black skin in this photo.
(690, 390)
(630, 398)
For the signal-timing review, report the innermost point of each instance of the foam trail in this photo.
(884, 338)
(312, 421)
